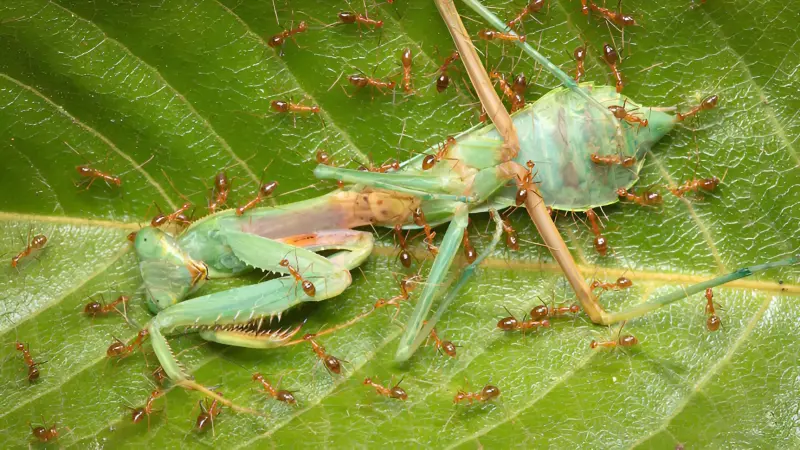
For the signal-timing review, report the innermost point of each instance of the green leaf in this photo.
(168, 93)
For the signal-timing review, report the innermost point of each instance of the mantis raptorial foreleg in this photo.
(236, 316)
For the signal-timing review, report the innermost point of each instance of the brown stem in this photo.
(502, 121)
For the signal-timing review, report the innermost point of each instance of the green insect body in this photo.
(559, 132)
(224, 244)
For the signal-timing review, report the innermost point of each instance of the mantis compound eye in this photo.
(165, 268)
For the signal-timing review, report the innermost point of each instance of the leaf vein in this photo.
(206, 124)
(95, 133)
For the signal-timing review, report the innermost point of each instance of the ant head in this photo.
(309, 336)
(19, 346)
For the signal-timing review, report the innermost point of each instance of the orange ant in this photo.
(488, 392)
(395, 392)
(612, 59)
(93, 174)
(533, 7)
(138, 413)
(709, 102)
(541, 311)
(263, 192)
(407, 285)
(221, 188)
(621, 283)
(503, 83)
(706, 184)
(37, 243)
(120, 350)
(713, 322)
(511, 323)
(361, 81)
(431, 160)
(383, 168)
(404, 255)
(406, 59)
(176, 216)
(419, 220)
(490, 35)
(616, 17)
(308, 287)
(623, 340)
(622, 114)
(283, 106)
(600, 243)
(324, 158)
(469, 251)
(280, 38)
(208, 413)
(95, 308)
(444, 346)
(331, 362)
(348, 17)
(279, 395)
(580, 55)
(45, 433)
(132, 236)
(624, 161)
(526, 184)
(33, 369)
(646, 198)
(443, 81)
(511, 236)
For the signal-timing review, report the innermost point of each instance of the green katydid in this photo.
(555, 133)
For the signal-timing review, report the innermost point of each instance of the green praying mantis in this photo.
(468, 174)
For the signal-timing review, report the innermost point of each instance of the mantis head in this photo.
(169, 274)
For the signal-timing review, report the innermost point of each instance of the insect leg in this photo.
(462, 280)
(425, 187)
(412, 338)
(217, 315)
(652, 305)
